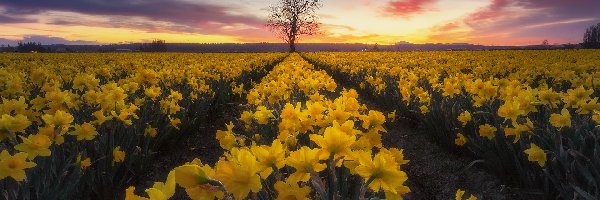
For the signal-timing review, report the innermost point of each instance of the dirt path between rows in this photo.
(433, 173)
(200, 144)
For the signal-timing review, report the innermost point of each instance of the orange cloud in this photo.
(407, 7)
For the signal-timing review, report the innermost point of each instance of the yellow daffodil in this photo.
(536, 154)
(152, 92)
(15, 124)
(35, 145)
(227, 139)
(240, 175)
(381, 172)
(14, 165)
(561, 120)
(459, 194)
(269, 157)
(460, 139)
(196, 180)
(149, 131)
(85, 163)
(85, 131)
(291, 191)
(118, 155)
(464, 117)
(262, 115)
(392, 116)
(510, 110)
(305, 160)
(487, 131)
(334, 140)
(60, 119)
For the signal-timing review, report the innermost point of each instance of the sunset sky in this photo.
(488, 22)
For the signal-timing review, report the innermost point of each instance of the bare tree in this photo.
(545, 43)
(290, 19)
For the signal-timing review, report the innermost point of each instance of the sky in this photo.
(486, 22)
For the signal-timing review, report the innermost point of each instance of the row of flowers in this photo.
(76, 126)
(299, 137)
(532, 116)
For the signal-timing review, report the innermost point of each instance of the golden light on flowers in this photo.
(392, 116)
(291, 191)
(511, 110)
(152, 92)
(240, 174)
(460, 195)
(159, 191)
(59, 118)
(85, 163)
(227, 139)
(488, 131)
(536, 154)
(195, 179)
(464, 117)
(85, 131)
(460, 139)
(118, 155)
(103, 101)
(262, 115)
(149, 131)
(561, 120)
(269, 157)
(334, 140)
(382, 172)
(35, 145)
(374, 120)
(576, 97)
(519, 129)
(14, 165)
(294, 117)
(16, 124)
(305, 160)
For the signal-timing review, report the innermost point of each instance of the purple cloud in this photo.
(160, 15)
(5, 19)
(46, 40)
(561, 20)
(407, 7)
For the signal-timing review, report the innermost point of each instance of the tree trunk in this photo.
(292, 46)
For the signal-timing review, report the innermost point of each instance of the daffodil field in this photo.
(296, 142)
(84, 126)
(531, 116)
(79, 126)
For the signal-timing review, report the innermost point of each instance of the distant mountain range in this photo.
(282, 47)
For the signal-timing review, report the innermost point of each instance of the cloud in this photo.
(523, 21)
(6, 19)
(46, 40)
(151, 15)
(407, 8)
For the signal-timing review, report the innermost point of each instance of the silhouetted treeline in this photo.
(154, 46)
(25, 47)
(591, 38)
(283, 47)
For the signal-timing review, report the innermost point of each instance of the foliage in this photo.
(531, 115)
(77, 126)
(311, 147)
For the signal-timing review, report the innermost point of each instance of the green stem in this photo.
(333, 187)
(363, 189)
